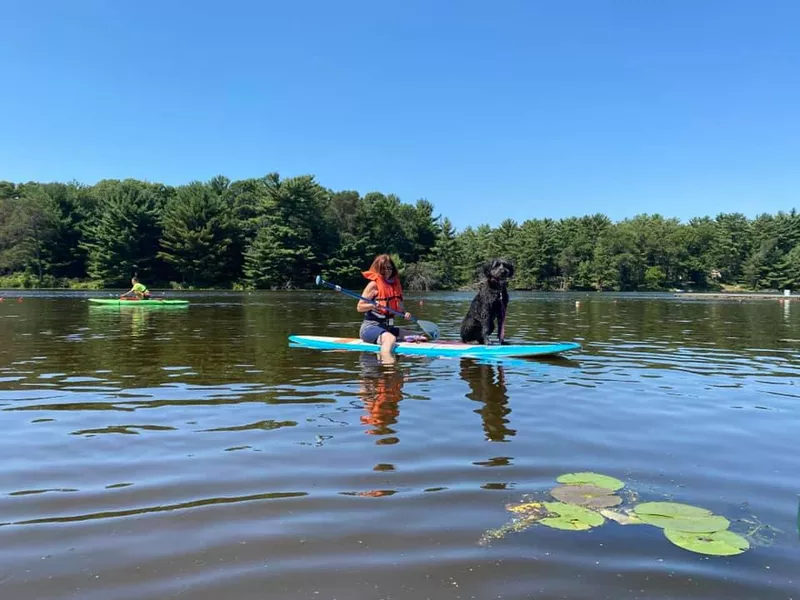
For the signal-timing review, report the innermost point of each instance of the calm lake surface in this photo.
(190, 453)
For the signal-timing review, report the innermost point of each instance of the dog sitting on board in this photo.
(489, 305)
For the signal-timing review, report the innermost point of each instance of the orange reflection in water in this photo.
(381, 390)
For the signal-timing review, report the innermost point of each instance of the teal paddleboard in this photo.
(150, 302)
(437, 348)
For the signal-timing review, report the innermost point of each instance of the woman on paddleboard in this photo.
(139, 290)
(383, 287)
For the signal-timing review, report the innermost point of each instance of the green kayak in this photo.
(134, 302)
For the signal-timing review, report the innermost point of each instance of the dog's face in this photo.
(498, 269)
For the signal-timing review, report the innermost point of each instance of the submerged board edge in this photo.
(152, 302)
(437, 348)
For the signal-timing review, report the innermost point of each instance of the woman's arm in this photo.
(369, 292)
(406, 314)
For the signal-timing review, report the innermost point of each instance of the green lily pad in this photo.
(680, 517)
(588, 478)
(700, 525)
(671, 509)
(718, 543)
(586, 495)
(570, 516)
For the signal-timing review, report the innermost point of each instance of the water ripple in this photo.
(143, 464)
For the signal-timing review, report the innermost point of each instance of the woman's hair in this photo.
(381, 261)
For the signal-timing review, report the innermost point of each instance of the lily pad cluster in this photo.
(583, 501)
(693, 528)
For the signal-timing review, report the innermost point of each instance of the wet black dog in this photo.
(490, 304)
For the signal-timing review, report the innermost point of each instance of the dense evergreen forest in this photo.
(279, 233)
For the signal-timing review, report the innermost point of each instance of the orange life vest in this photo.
(389, 294)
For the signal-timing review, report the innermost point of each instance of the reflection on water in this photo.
(487, 384)
(192, 453)
(381, 390)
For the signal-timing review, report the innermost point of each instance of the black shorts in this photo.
(372, 330)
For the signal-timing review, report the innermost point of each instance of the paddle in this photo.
(432, 329)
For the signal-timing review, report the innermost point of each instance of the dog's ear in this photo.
(486, 269)
(510, 267)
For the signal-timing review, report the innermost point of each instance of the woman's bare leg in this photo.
(387, 341)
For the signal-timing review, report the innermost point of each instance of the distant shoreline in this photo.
(735, 296)
(662, 294)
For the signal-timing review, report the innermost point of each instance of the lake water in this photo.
(190, 453)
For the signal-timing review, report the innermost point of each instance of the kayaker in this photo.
(384, 287)
(139, 290)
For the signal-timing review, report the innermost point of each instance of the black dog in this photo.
(489, 304)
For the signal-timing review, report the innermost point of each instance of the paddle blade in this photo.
(432, 329)
(318, 280)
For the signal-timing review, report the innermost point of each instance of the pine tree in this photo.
(294, 240)
(27, 231)
(446, 256)
(123, 241)
(198, 233)
(789, 270)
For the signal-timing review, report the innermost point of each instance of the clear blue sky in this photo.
(490, 110)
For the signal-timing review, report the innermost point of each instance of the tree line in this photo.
(278, 233)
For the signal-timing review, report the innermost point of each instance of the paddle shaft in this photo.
(431, 329)
(339, 288)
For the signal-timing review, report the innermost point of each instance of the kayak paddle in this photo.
(432, 329)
